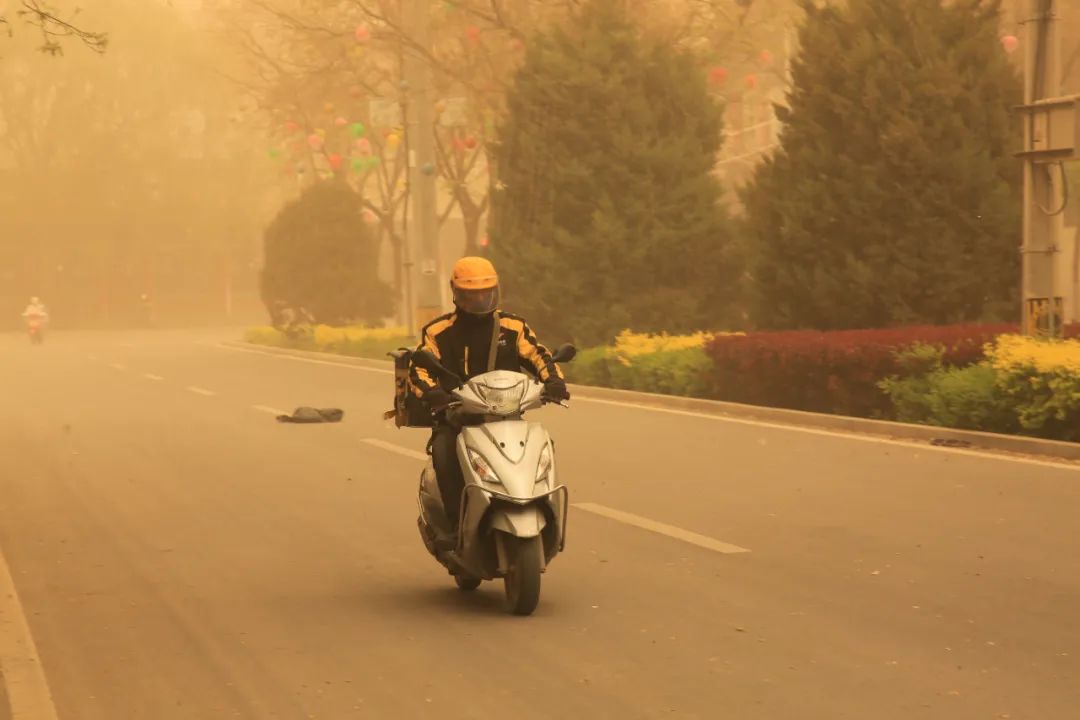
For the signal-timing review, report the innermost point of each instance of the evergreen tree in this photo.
(320, 255)
(894, 197)
(608, 216)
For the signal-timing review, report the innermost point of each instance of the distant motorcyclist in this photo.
(462, 342)
(36, 311)
(36, 317)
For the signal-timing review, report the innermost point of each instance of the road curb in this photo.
(736, 411)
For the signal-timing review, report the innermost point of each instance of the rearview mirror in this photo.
(565, 353)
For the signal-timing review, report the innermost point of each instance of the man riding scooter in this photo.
(474, 339)
(36, 317)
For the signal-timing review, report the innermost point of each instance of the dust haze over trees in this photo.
(128, 173)
(609, 216)
(321, 256)
(894, 198)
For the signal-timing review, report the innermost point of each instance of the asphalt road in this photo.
(176, 553)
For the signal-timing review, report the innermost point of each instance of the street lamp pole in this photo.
(421, 120)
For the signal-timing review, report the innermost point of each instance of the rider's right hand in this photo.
(438, 399)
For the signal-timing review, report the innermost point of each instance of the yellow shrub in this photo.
(1015, 352)
(630, 344)
(264, 335)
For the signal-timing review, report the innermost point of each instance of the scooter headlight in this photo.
(544, 466)
(502, 401)
(482, 468)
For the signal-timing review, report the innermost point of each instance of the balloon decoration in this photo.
(718, 75)
(363, 33)
(335, 161)
(470, 142)
(291, 127)
(358, 130)
(274, 153)
(484, 241)
(393, 140)
(473, 33)
(1010, 43)
(315, 141)
(364, 146)
(358, 165)
(341, 122)
(751, 81)
(765, 57)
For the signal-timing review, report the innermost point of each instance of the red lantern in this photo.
(1010, 43)
(751, 81)
(363, 33)
(291, 127)
(766, 57)
(356, 91)
(315, 141)
(335, 161)
(718, 76)
(470, 142)
(473, 33)
(484, 241)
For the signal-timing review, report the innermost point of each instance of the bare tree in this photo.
(55, 29)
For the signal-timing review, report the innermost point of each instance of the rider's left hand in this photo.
(555, 390)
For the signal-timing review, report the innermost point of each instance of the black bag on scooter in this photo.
(409, 410)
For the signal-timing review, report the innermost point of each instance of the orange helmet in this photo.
(476, 285)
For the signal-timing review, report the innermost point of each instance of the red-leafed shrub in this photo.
(836, 371)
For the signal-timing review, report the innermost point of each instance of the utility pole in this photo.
(421, 128)
(1049, 139)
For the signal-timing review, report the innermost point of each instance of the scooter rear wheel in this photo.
(522, 583)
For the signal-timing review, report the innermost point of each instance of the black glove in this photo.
(438, 399)
(555, 390)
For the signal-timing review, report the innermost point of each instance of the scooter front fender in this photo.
(522, 522)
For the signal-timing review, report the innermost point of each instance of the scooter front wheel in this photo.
(467, 583)
(522, 583)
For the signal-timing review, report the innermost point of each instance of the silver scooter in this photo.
(513, 510)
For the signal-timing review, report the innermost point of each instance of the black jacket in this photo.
(462, 343)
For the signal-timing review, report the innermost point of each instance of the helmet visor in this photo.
(477, 301)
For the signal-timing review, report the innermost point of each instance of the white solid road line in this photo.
(909, 444)
(22, 674)
(618, 515)
(313, 361)
(152, 376)
(200, 391)
(414, 454)
(269, 410)
(661, 528)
